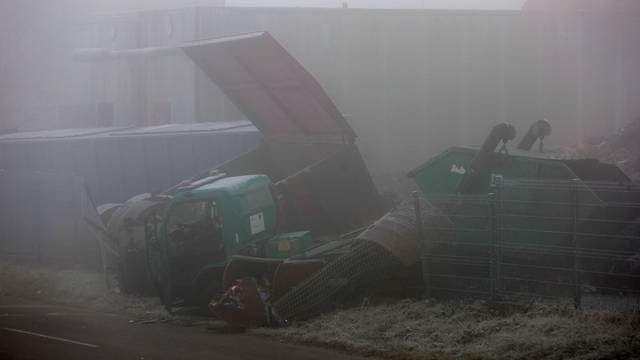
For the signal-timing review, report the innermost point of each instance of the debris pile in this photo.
(621, 148)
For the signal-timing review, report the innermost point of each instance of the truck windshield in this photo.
(189, 213)
(194, 227)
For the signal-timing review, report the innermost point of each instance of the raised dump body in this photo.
(309, 150)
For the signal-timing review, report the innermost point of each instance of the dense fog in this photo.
(411, 82)
(313, 179)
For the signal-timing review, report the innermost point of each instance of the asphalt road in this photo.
(43, 331)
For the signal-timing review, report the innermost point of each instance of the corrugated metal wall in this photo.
(119, 167)
(412, 82)
(42, 219)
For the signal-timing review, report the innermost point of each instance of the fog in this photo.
(191, 169)
(411, 82)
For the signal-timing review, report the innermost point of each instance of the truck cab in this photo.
(190, 240)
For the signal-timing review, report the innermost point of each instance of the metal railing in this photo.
(536, 239)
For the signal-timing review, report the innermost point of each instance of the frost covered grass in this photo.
(477, 329)
(72, 287)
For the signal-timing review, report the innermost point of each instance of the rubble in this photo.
(621, 148)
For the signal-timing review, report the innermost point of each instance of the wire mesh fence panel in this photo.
(460, 263)
(539, 238)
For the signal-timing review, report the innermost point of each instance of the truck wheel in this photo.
(209, 287)
(213, 291)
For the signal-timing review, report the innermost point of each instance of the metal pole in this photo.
(494, 235)
(40, 181)
(498, 231)
(422, 246)
(574, 243)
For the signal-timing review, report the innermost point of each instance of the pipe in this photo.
(102, 54)
(501, 133)
(538, 130)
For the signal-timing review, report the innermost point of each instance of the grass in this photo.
(73, 287)
(411, 329)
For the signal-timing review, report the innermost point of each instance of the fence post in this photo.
(494, 240)
(498, 230)
(421, 245)
(577, 288)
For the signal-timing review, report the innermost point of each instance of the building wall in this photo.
(35, 40)
(410, 82)
(42, 217)
(600, 6)
(116, 167)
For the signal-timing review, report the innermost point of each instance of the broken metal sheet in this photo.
(58, 134)
(247, 266)
(281, 274)
(172, 129)
(270, 87)
(396, 231)
(134, 211)
(106, 211)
